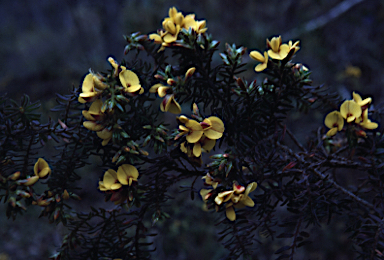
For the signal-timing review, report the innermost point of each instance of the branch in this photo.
(322, 20)
(325, 178)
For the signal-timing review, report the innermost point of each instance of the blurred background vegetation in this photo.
(48, 46)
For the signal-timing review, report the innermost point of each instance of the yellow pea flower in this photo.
(277, 50)
(240, 201)
(260, 58)
(366, 122)
(213, 127)
(41, 168)
(223, 197)
(94, 113)
(126, 174)
(106, 135)
(350, 110)
(89, 93)
(169, 104)
(335, 122)
(197, 26)
(110, 181)
(210, 180)
(160, 89)
(130, 81)
(195, 131)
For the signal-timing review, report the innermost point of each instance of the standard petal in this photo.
(88, 85)
(129, 170)
(128, 78)
(110, 177)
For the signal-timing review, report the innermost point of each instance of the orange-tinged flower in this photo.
(41, 168)
(110, 181)
(335, 122)
(260, 58)
(277, 50)
(126, 174)
(213, 127)
(350, 110)
(169, 104)
(130, 81)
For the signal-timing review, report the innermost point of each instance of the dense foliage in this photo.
(261, 180)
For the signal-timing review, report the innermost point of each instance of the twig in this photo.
(325, 178)
(322, 20)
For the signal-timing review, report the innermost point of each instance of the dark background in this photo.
(47, 46)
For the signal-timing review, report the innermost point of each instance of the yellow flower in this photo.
(277, 50)
(350, 110)
(160, 89)
(210, 180)
(195, 131)
(203, 145)
(223, 197)
(366, 122)
(110, 181)
(213, 127)
(294, 45)
(89, 93)
(357, 98)
(94, 113)
(106, 135)
(130, 81)
(260, 58)
(126, 174)
(335, 122)
(205, 194)
(240, 201)
(169, 104)
(197, 26)
(41, 168)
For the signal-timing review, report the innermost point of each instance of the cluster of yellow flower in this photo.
(113, 182)
(236, 198)
(92, 91)
(125, 175)
(172, 26)
(169, 103)
(199, 136)
(353, 111)
(276, 50)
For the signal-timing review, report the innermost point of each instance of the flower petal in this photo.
(230, 213)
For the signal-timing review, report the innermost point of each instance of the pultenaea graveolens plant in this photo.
(260, 179)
